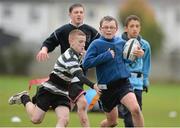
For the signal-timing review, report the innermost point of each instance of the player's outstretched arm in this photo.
(42, 54)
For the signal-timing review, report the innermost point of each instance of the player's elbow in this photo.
(85, 65)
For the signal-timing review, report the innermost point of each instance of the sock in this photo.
(25, 99)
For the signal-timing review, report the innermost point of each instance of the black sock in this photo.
(25, 99)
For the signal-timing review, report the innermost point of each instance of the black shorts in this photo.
(75, 91)
(46, 99)
(115, 92)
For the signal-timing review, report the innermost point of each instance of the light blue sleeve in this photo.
(146, 64)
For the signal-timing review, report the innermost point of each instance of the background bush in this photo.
(15, 59)
(150, 29)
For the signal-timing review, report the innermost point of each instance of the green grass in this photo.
(157, 103)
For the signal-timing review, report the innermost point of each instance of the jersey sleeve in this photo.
(51, 42)
(79, 74)
(146, 64)
(76, 71)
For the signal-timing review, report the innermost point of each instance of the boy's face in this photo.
(133, 29)
(108, 29)
(78, 43)
(77, 15)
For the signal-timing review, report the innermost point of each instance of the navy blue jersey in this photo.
(108, 69)
(60, 36)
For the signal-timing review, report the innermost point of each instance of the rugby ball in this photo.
(130, 46)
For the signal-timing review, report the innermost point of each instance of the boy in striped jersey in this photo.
(60, 38)
(54, 92)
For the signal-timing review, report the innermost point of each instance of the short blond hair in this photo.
(76, 32)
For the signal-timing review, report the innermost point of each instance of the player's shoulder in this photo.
(88, 27)
(70, 54)
(119, 39)
(96, 43)
(63, 28)
(145, 42)
(66, 54)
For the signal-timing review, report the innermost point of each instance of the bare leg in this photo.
(111, 119)
(82, 111)
(35, 113)
(130, 101)
(62, 113)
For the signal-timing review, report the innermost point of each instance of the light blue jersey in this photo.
(140, 68)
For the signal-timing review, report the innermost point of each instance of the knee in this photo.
(136, 111)
(36, 120)
(82, 105)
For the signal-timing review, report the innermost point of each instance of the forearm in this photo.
(83, 79)
(93, 61)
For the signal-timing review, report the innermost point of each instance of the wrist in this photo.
(44, 49)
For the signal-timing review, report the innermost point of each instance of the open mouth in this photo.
(108, 34)
(78, 18)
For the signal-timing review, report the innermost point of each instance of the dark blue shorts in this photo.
(46, 99)
(115, 92)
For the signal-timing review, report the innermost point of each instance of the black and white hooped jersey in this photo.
(67, 64)
(65, 67)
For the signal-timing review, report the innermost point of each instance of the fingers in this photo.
(138, 47)
(42, 56)
(112, 52)
(138, 52)
(97, 89)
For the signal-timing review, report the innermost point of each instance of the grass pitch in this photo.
(161, 106)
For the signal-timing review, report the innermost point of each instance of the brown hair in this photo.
(108, 18)
(74, 6)
(129, 18)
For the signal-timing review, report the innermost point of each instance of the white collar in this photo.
(75, 25)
